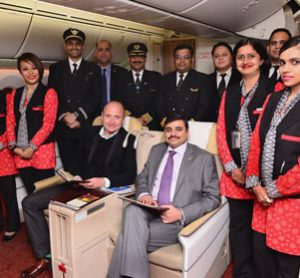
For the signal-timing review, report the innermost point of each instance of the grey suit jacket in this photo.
(197, 188)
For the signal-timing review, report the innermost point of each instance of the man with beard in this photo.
(140, 87)
(79, 94)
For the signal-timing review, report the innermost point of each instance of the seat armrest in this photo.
(195, 225)
(48, 182)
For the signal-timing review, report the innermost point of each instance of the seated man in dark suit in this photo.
(224, 75)
(184, 91)
(108, 159)
(178, 176)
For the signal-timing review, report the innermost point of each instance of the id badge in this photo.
(235, 139)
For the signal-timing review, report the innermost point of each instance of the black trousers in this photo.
(37, 226)
(8, 191)
(31, 175)
(67, 151)
(273, 264)
(240, 233)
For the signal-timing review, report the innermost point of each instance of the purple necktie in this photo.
(166, 181)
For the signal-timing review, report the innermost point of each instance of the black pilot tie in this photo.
(273, 77)
(222, 85)
(137, 82)
(75, 70)
(179, 82)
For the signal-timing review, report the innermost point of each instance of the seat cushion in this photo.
(169, 256)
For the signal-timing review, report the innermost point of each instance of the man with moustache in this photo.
(79, 94)
(277, 38)
(110, 73)
(107, 159)
(223, 76)
(139, 90)
(179, 177)
(184, 90)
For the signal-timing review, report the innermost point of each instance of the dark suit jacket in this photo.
(212, 89)
(233, 106)
(120, 167)
(81, 94)
(115, 82)
(287, 148)
(192, 102)
(143, 101)
(197, 187)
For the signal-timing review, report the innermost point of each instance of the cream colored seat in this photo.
(203, 248)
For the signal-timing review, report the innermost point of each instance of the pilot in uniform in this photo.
(140, 87)
(183, 91)
(78, 86)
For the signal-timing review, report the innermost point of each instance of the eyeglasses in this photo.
(180, 57)
(250, 56)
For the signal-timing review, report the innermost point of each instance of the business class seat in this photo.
(203, 248)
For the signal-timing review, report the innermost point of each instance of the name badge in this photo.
(235, 139)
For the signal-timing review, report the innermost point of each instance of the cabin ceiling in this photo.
(206, 18)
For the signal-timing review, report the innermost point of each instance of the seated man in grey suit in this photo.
(178, 176)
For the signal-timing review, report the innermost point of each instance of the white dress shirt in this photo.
(177, 158)
(71, 63)
(227, 77)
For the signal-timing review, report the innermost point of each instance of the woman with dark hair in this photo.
(239, 110)
(7, 177)
(31, 116)
(273, 174)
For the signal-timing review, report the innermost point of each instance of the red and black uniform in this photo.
(277, 226)
(7, 175)
(240, 200)
(41, 111)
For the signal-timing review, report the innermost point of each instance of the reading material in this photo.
(135, 202)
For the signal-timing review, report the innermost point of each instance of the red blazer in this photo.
(228, 186)
(7, 163)
(280, 221)
(44, 156)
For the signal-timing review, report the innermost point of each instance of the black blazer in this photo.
(115, 81)
(143, 101)
(120, 165)
(191, 102)
(81, 94)
(233, 106)
(287, 148)
(212, 89)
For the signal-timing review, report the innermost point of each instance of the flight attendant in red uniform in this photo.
(31, 116)
(7, 177)
(273, 173)
(239, 110)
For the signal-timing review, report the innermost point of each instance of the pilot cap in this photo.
(137, 49)
(73, 33)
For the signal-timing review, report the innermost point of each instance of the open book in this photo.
(135, 202)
